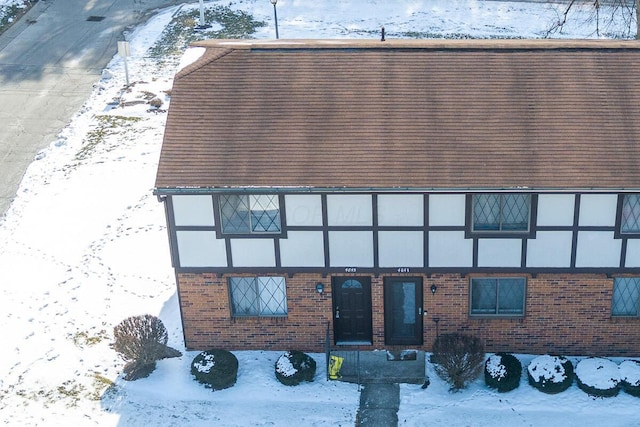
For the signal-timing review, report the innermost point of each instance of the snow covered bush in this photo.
(630, 376)
(502, 371)
(550, 374)
(216, 369)
(458, 359)
(141, 341)
(598, 377)
(294, 366)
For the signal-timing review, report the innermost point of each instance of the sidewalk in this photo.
(380, 373)
(379, 405)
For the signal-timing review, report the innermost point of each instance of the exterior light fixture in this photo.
(434, 288)
(275, 16)
(319, 286)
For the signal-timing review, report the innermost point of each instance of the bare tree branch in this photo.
(613, 10)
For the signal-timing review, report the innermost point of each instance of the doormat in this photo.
(402, 355)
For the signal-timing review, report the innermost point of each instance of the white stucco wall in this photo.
(499, 252)
(597, 249)
(633, 253)
(351, 248)
(447, 209)
(598, 210)
(401, 248)
(253, 253)
(450, 249)
(193, 210)
(349, 209)
(303, 209)
(550, 249)
(401, 210)
(302, 249)
(200, 249)
(556, 209)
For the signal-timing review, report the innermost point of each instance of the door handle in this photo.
(419, 311)
(337, 312)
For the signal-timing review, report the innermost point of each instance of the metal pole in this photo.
(202, 24)
(275, 15)
(126, 71)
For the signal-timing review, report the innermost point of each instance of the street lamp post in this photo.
(275, 16)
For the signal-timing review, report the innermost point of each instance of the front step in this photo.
(376, 367)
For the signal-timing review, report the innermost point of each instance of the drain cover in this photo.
(94, 18)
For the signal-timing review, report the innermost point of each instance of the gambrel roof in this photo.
(406, 114)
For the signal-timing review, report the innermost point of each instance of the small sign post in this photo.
(124, 51)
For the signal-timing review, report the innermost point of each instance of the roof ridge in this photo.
(211, 54)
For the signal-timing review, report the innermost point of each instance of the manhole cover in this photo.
(94, 18)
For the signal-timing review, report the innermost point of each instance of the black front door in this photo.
(403, 310)
(352, 310)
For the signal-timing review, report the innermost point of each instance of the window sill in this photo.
(496, 316)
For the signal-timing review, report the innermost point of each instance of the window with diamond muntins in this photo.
(626, 296)
(250, 213)
(630, 222)
(501, 212)
(258, 296)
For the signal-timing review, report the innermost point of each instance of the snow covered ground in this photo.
(84, 246)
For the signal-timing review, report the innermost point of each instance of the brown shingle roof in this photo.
(421, 114)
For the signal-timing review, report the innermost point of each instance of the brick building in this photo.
(390, 191)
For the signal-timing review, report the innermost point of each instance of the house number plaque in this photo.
(350, 270)
(403, 270)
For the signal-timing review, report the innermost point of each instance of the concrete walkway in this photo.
(49, 61)
(379, 405)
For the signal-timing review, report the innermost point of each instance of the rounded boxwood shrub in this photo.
(550, 374)
(502, 371)
(216, 369)
(598, 377)
(630, 376)
(294, 366)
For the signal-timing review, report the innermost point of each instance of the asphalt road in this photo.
(49, 61)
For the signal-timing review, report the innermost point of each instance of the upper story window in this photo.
(630, 216)
(507, 213)
(626, 297)
(250, 213)
(497, 296)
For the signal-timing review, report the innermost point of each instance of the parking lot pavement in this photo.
(49, 61)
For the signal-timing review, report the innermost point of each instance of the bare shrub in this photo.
(155, 102)
(458, 358)
(141, 341)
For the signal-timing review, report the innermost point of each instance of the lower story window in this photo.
(497, 296)
(258, 296)
(626, 296)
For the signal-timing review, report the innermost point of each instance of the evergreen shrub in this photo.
(294, 366)
(216, 369)
(502, 371)
(550, 374)
(630, 376)
(598, 377)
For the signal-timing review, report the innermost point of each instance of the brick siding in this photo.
(564, 314)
